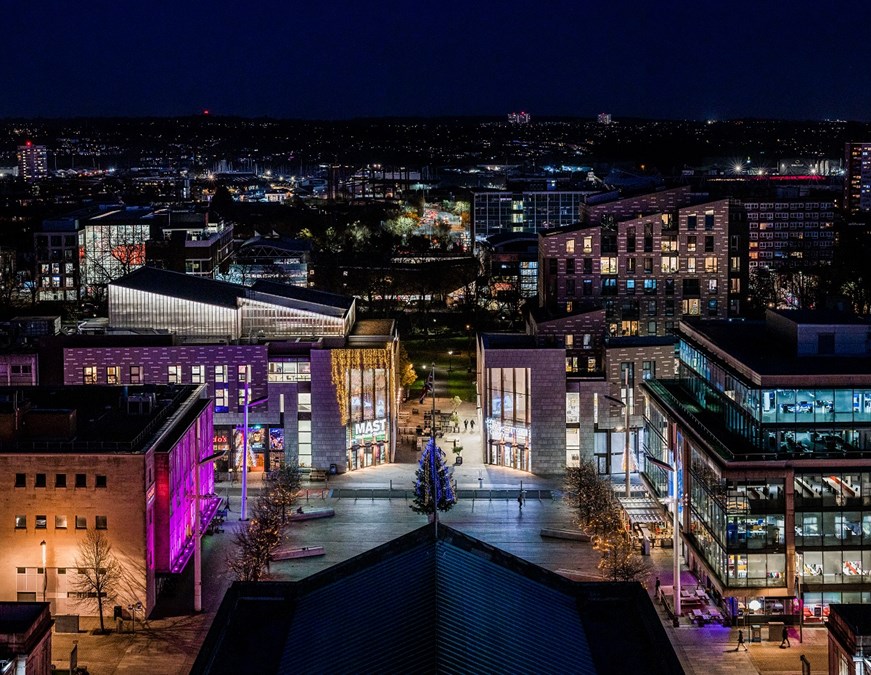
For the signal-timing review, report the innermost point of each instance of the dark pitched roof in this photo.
(443, 603)
(305, 295)
(183, 286)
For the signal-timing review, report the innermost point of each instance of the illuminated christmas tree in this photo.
(432, 487)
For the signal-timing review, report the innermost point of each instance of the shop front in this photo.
(508, 445)
(368, 444)
(265, 446)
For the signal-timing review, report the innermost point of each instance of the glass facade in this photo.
(508, 418)
(776, 522)
(368, 431)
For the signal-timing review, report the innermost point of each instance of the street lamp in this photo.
(44, 569)
(450, 360)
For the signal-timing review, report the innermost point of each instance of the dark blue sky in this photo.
(351, 58)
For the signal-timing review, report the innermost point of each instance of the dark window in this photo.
(709, 243)
(712, 307)
(552, 265)
(826, 343)
(570, 289)
(81, 523)
(20, 480)
(100, 522)
(100, 481)
(691, 288)
(630, 265)
(570, 266)
(40, 480)
(691, 222)
(60, 480)
(81, 480)
(609, 285)
(587, 287)
(648, 265)
(630, 244)
(588, 265)
(648, 244)
(669, 286)
(20, 522)
(609, 243)
(709, 221)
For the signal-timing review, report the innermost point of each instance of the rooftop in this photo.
(441, 602)
(91, 418)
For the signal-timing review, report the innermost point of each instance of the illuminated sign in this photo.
(506, 432)
(370, 428)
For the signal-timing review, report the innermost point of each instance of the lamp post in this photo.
(469, 344)
(675, 537)
(42, 545)
(450, 360)
(198, 530)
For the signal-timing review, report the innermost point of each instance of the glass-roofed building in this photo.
(769, 423)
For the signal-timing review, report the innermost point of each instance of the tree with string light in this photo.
(432, 486)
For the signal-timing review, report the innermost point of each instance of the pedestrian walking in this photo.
(466, 425)
(785, 636)
(520, 501)
(472, 424)
(741, 641)
(658, 584)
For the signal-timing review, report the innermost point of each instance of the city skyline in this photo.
(705, 61)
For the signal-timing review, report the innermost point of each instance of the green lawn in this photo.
(454, 367)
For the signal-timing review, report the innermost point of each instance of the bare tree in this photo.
(99, 572)
(620, 559)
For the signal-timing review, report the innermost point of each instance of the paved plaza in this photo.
(369, 514)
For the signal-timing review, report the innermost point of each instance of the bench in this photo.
(304, 552)
(575, 535)
(317, 475)
(311, 514)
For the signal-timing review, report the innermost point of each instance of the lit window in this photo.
(41, 522)
(135, 374)
(198, 374)
(174, 375)
(20, 522)
(570, 246)
(220, 373)
(90, 375)
(113, 375)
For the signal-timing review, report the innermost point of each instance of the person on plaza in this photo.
(466, 424)
(299, 510)
(741, 641)
(658, 584)
(472, 424)
(520, 501)
(785, 636)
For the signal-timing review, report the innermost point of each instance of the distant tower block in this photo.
(32, 162)
(519, 118)
(604, 118)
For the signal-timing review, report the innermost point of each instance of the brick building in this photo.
(647, 272)
(117, 460)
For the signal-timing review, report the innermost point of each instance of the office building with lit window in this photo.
(769, 426)
(120, 461)
(322, 387)
(857, 182)
(788, 234)
(531, 209)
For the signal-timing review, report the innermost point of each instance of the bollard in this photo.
(480, 482)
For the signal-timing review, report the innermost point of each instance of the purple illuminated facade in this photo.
(116, 459)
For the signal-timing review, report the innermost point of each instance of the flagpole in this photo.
(435, 510)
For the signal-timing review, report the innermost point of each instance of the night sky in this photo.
(352, 58)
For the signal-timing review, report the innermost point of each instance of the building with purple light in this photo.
(115, 459)
(323, 382)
